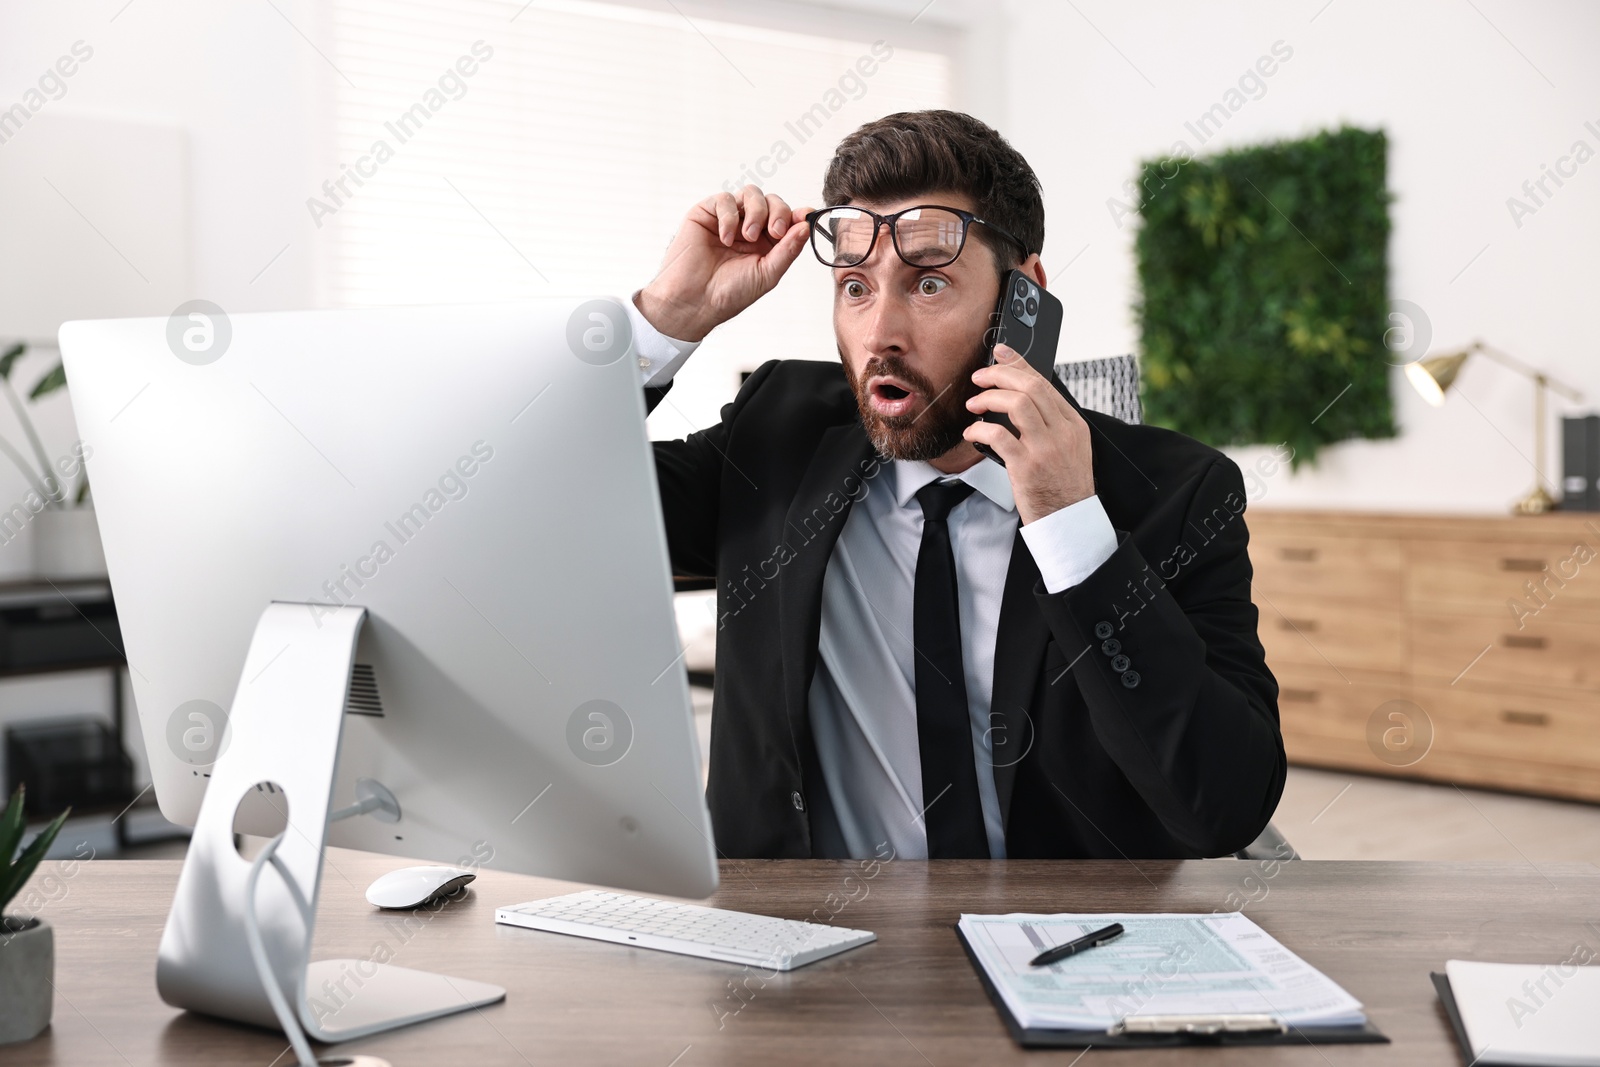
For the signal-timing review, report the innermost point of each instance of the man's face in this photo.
(911, 337)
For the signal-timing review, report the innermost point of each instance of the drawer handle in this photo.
(1511, 563)
(1525, 718)
(1521, 641)
(1303, 625)
(1301, 696)
(1298, 555)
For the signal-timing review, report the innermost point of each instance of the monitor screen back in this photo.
(480, 480)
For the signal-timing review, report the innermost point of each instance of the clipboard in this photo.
(1447, 1000)
(1039, 1037)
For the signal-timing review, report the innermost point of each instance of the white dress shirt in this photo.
(862, 700)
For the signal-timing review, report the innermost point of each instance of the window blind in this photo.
(494, 150)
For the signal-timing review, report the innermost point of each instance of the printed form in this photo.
(1164, 964)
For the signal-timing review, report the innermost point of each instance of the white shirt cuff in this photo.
(659, 356)
(1070, 544)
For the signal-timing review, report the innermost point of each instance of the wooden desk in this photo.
(909, 998)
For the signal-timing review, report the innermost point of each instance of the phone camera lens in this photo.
(1022, 287)
(1033, 306)
(1017, 309)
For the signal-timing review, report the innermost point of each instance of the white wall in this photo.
(233, 77)
(1474, 97)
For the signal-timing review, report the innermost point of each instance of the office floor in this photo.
(1331, 815)
(1336, 815)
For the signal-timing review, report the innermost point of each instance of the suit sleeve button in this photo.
(797, 800)
(1111, 646)
(1120, 664)
(1103, 630)
(1130, 679)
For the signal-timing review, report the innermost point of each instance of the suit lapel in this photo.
(833, 480)
(1018, 656)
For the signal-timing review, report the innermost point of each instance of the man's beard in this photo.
(937, 427)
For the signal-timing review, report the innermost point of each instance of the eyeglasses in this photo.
(923, 236)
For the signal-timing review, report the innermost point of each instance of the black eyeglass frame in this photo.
(892, 222)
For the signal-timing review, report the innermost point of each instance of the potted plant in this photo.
(27, 944)
(66, 540)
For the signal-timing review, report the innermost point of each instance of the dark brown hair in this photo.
(915, 152)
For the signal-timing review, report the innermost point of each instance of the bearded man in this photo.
(922, 652)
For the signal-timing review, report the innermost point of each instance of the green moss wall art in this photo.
(1264, 277)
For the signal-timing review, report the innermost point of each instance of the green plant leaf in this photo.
(55, 379)
(10, 356)
(13, 879)
(11, 824)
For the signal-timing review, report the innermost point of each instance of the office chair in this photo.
(1110, 385)
(1271, 845)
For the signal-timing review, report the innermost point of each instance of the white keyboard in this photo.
(711, 933)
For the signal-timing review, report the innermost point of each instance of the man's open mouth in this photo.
(891, 396)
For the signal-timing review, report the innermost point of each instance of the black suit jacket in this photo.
(1179, 755)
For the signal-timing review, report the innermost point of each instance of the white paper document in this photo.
(1164, 964)
(1516, 1013)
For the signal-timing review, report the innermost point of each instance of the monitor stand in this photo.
(284, 729)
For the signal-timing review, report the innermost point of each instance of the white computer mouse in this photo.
(412, 887)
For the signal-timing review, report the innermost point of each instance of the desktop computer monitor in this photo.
(481, 482)
(477, 479)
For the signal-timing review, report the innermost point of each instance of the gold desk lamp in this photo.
(1434, 375)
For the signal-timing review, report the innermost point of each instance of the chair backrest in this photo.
(1109, 386)
(1271, 845)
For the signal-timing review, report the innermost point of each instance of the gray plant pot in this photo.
(27, 971)
(66, 545)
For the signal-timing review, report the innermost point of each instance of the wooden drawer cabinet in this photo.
(1324, 716)
(1318, 631)
(1489, 627)
(1531, 727)
(1488, 575)
(1339, 567)
(1490, 649)
(1533, 741)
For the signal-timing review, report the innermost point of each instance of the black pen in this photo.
(1072, 948)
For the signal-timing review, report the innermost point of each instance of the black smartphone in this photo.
(1028, 319)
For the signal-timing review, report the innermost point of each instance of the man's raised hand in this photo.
(1048, 457)
(730, 251)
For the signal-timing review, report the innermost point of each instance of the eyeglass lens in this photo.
(926, 236)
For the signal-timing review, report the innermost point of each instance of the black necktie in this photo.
(953, 813)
